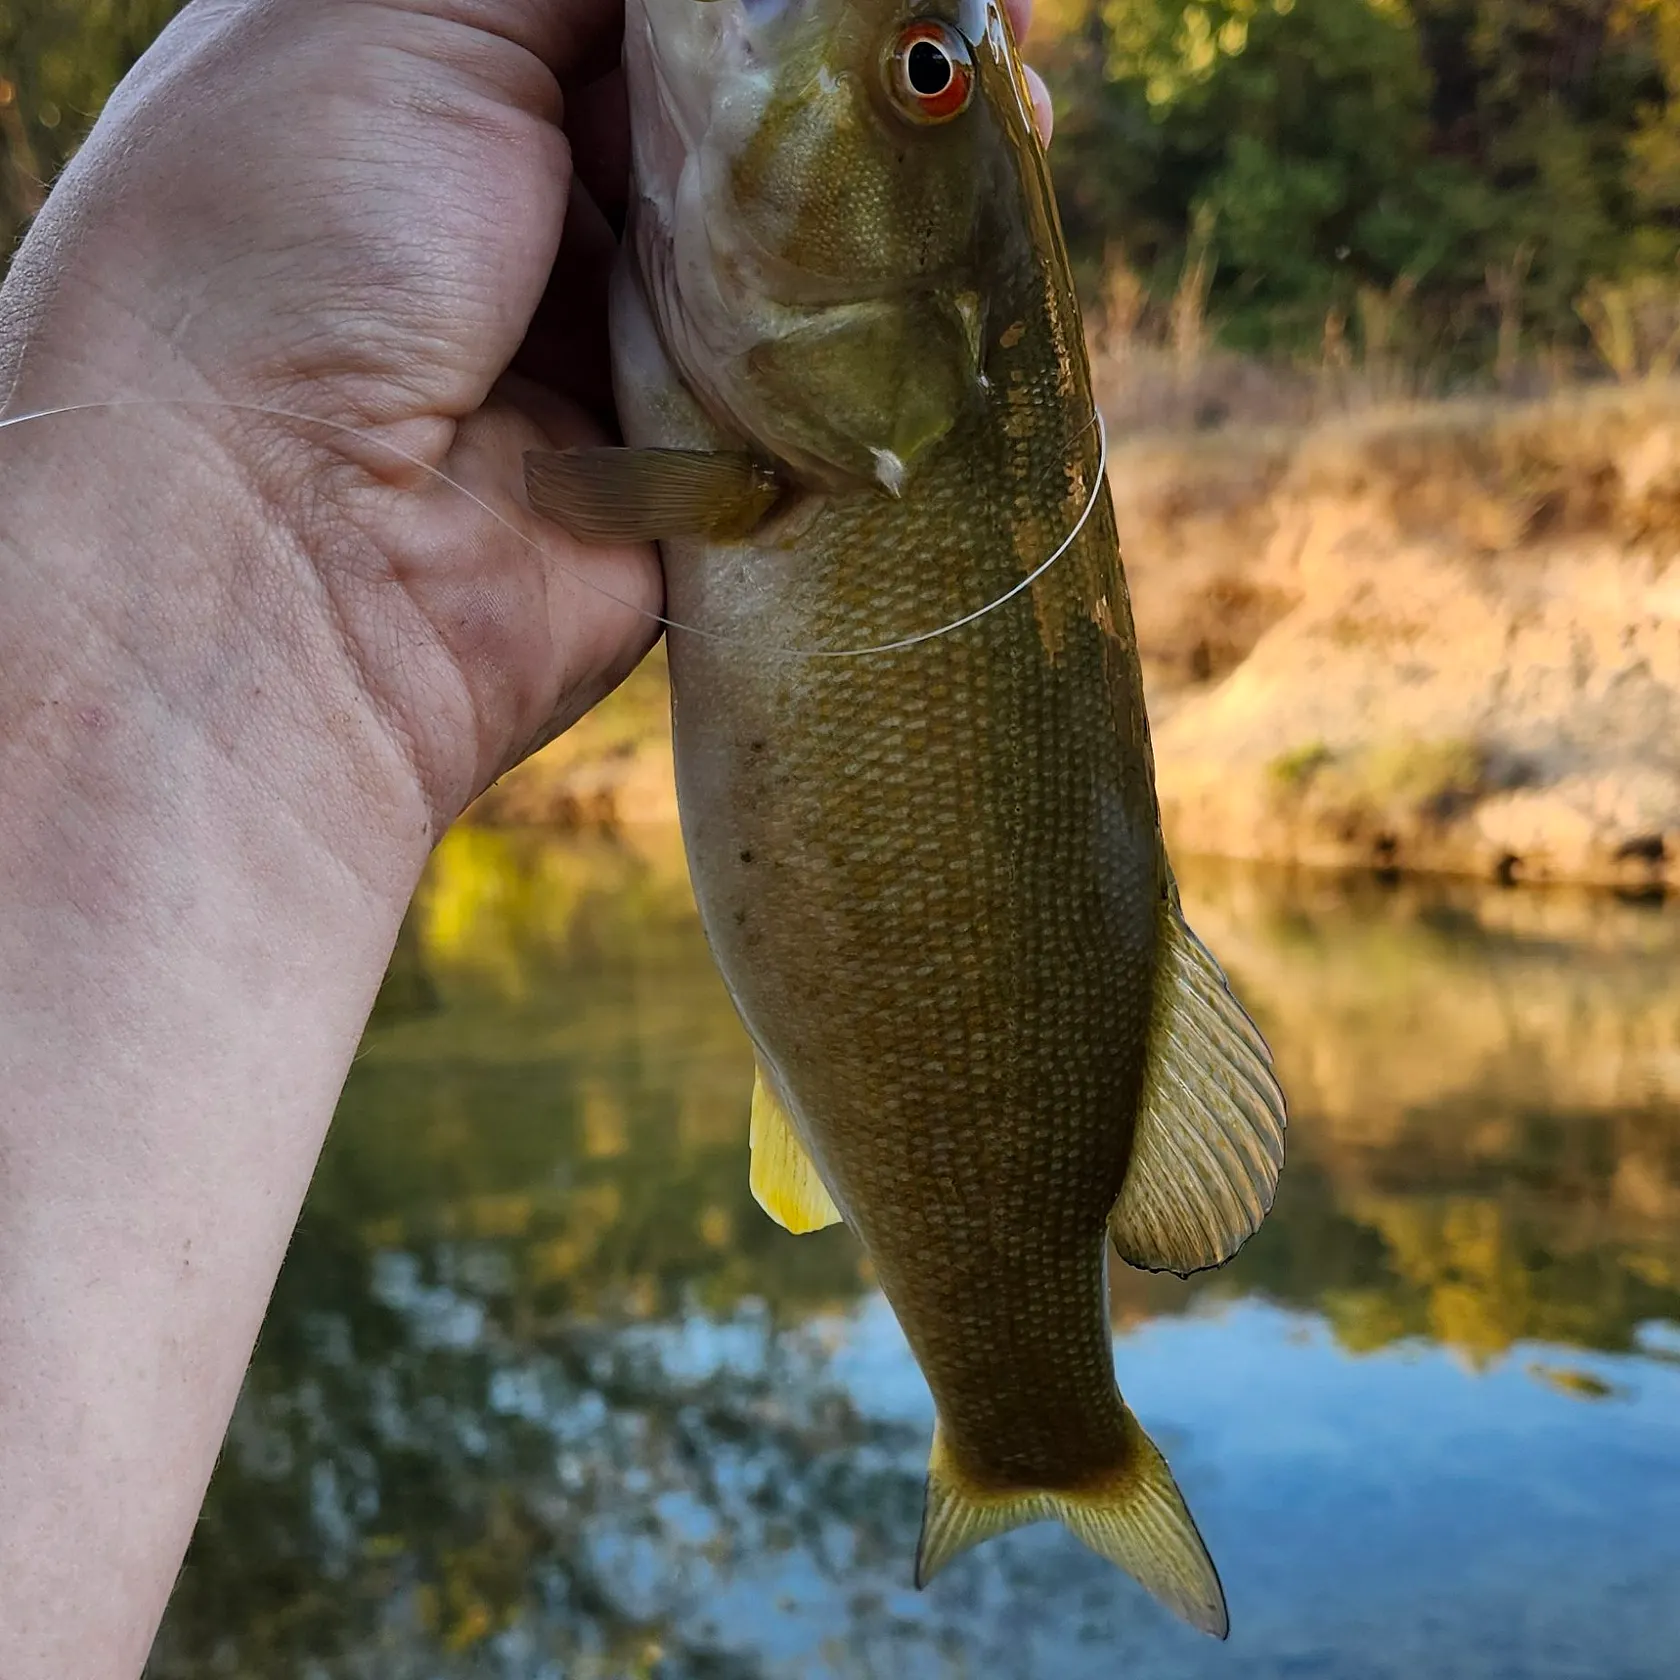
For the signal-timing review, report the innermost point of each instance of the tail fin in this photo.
(1136, 1518)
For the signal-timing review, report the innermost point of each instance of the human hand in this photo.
(353, 212)
(249, 668)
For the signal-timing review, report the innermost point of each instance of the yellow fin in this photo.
(1208, 1145)
(785, 1182)
(1135, 1518)
(637, 495)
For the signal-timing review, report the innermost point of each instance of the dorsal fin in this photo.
(785, 1181)
(1208, 1145)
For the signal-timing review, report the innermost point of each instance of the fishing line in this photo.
(898, 645)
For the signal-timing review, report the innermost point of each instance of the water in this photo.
(542, 1394)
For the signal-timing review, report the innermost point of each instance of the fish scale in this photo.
(856, 406)
(925, 847)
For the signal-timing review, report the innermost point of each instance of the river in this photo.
(543, 1396)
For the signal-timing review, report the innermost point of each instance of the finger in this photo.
(574, 38)
(1044, 118)
(542, 626)
(1020, 17)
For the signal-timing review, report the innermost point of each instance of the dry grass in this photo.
(1159, 366)
(1491, 473)
(1211, 521)
(1496, 476)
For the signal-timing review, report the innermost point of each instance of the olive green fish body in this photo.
(913, 760)
(933, 878)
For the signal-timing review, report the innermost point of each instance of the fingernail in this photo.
(1044, 118)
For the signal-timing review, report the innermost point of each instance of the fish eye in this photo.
(930, 72)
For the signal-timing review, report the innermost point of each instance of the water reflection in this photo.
(543, 1394)
(1488, 1085)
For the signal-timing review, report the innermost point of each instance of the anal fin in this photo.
(785, 1181)
(1208, 1144)
(1134, 1517)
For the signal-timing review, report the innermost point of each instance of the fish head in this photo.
(817, 219)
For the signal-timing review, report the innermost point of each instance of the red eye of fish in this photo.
(930, 72)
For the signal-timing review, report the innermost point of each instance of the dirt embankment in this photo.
(1438, 638)
(1445, 638)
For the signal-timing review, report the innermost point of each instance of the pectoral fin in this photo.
(1208, 1145)
(785, 1182)
(1135, 1517)
(639, 495)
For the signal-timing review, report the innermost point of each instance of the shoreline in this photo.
(1441, 639)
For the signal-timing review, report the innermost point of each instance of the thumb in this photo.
(540, 625)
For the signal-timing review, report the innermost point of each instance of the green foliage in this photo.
(1477, 180)
(1654, 151)
(1290, 771)
(1472, 161)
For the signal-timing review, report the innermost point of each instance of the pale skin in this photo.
(249, 672)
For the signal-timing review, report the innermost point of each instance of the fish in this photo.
(914, 770)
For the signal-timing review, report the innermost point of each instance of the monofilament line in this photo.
(898, 645)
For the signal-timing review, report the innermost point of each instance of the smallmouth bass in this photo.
(853, 386)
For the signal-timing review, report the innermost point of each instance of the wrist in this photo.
(207, 837)
(170, 659)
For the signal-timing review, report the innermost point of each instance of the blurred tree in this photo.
(1478, 160)
(1455, 174)
(1654, 150)
(59, 60)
